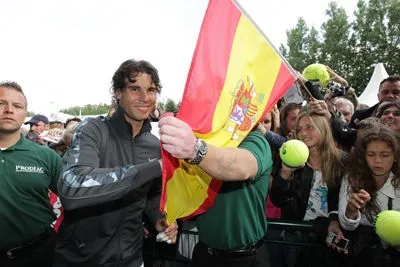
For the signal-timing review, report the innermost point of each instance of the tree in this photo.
(170, 106)
(284, 51)
(335, 51)
(393, 37)
(366, 42)
(313, 47)
(161, 106)
(350, 48)
(88, 109)
(296, 41)
(360, 49)
(30, 114)
(303, 46)
(375, 39)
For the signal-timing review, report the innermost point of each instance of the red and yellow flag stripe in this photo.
(236, 76)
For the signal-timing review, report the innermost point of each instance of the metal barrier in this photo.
(179, 254)
(304, 227)
(313, 253)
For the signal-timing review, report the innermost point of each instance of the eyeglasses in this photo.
(395, 113)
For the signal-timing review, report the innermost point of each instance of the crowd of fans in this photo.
(351, 175)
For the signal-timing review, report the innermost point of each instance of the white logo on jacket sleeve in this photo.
(35, 169)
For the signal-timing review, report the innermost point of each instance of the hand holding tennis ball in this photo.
(317, 72)
(294, 153)
(387, 226)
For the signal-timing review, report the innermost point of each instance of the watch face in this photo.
(201, 151)
(202, 147)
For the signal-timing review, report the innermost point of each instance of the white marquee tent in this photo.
(369, 95)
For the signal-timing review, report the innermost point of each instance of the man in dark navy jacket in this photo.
(111, 178)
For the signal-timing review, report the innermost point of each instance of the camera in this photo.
(341, 245)
(337, 89)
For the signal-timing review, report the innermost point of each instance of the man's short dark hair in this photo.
(15, 86)
(390, 79)
(131, 66)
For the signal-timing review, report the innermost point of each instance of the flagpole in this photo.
(306, 89)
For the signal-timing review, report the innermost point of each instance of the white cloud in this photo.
(67, 51)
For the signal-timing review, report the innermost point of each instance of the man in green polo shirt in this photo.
(27, 172)
(232, 232)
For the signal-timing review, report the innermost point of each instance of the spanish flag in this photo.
(236, 76)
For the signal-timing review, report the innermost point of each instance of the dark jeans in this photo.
(275, 249)
(202, 258)
(39, 254)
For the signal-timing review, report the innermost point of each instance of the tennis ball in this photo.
(318, 72)
(387, 226)
(294, 153)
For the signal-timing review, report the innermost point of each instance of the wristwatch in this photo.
(201, 150)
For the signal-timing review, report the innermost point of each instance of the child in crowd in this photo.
(371, 185)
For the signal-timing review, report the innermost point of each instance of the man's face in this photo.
(12, 110)
(389, 91)
(346, 111)
(38, 127)
(138, 97)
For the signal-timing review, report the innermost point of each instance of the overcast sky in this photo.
(64, 53)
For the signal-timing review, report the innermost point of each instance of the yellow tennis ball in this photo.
(318, 72)
(294, 153)
(387, 226)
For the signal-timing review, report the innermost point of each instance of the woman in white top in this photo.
(310, 192)
(371, 185)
